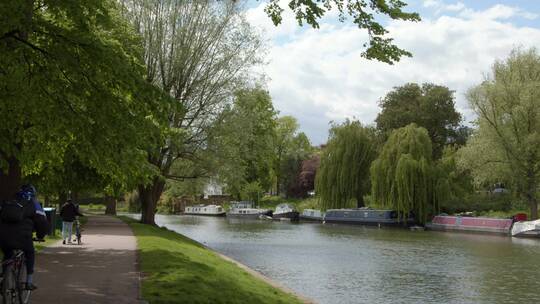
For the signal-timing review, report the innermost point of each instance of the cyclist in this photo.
(18, 220)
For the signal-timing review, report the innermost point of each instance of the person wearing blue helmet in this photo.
(19, 218)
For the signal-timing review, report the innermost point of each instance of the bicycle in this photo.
(78, 231)
(13, 284)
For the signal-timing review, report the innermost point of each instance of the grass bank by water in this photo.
(178, 270)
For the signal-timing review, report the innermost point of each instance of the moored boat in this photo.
(210, 210)
(366, 216)
(248, 213)
(285, 212)
(312, 215)
(470, 224)
(526, 229)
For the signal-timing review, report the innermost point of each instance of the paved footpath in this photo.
(101, 270)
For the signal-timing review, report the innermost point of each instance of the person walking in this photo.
(68, 213)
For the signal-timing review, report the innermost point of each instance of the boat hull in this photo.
(249, 215)
(292, 215)
(470, 224)
(529, 229)
(366, 217)
(312, 215)
(205, 214)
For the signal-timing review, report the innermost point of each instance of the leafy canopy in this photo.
(72, 83)
(429, 106)
(365, 14)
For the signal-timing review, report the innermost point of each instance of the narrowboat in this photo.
(285, 212)
(526, 229)
(366, 216)
(312, 215)
(470, 224)
(248, 213)
(210, 210)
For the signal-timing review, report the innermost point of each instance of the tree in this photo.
(344, 172)
(365, 14)
(507, 140)
(290, 150)
(404, 176)
(429, 106)
(71, 83)
(244, 143)
(198, 52)
(291, 166)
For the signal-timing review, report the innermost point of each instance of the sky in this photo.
(318, 75)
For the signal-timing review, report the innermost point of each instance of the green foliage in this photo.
(365, 14)
(178, 269)
(344, 172)
(72, 91)
(404, 176)
(506, 144)
(244, 141)
(429, 106)
(251, 192)
(291, 148)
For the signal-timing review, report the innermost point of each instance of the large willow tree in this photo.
(404, 177)
(344, 173)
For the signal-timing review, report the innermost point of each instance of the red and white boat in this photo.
(470, 224)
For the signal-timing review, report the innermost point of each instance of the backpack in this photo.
(12, 212)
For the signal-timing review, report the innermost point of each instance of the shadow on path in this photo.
(101, 270)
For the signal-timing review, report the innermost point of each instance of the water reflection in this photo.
(354, 264)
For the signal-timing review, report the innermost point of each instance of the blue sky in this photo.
(318, 76)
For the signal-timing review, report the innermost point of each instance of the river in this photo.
(355, 264)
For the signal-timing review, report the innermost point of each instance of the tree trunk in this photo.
(149, 196)
(110, 203)
(10, 180)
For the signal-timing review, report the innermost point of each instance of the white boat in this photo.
(249, 213)
(526, 229)
(312, 215)
(285, 212)
(211, 210)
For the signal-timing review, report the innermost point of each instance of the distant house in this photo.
(213, 188)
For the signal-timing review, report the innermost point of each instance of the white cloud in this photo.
(440, 6)
(318, 75)
(500, 12)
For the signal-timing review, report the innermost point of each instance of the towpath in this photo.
(101, 270)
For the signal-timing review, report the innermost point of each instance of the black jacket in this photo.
(69, 212)
(19, 235)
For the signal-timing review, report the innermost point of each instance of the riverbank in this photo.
(177, 269)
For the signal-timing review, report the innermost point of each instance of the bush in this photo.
(479, 202)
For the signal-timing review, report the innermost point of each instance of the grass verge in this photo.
(49, 239)
(178, 270)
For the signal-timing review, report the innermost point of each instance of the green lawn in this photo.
(179, 270)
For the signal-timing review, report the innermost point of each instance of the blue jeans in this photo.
(67, 230)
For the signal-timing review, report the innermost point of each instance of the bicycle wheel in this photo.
(9, 287)
(22, 292)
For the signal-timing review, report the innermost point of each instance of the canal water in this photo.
(355, 264)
